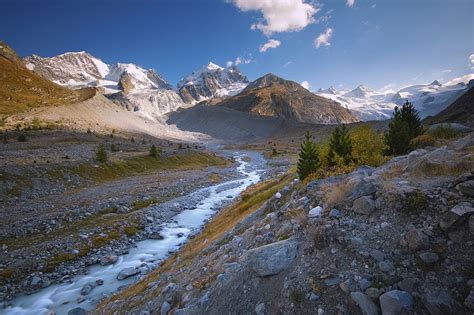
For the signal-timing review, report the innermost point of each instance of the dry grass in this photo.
(336, 194)
(224, 221)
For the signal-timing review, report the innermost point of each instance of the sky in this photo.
(385, 44)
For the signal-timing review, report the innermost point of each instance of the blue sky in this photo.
(375, 42)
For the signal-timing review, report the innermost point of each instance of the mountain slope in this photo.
(209, 81)
(136, 89)
(275, 97)
(21, 89)
(460, 111)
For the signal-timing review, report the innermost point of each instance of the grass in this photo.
(20, 183)
(143, 203)
(143, 164)
(224, 221)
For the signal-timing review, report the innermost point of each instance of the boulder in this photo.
(315, 212)
(127, 272)
(396, 302)
(361, 187)
(88, 287)
(414, 239)
(271, 259)
(260, 309)
(429, 258)
(367, 307)
(364, 205)
(108, 260)
(165, 308)
(77, 311)
(466, 188)
(456, 216)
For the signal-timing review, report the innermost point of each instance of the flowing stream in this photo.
(146, 254)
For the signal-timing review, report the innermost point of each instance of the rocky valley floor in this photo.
(397, 239)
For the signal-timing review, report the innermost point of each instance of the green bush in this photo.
(101, 154)
(154, 151)
(368, 147)
(444, 132)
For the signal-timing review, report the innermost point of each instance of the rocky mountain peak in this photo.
(266, 81)
(436, 82)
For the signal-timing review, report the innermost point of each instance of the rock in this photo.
(127, 272)
(386, 266)
(108, 260)
(414, 239)
(466, 188)
(367, 307)
(408, 284)
(165, 308)
(314, 297)
(471, 224)
(332, 281)
(204, 300)
(77, 311)
(315, 212)
(396, 302)
(364, 284)
(278, 195)
(149, 219)
(364, 205)
(271, 259)
(88, 287)
(334, 213)
(260, 309)
(156, 236)
(35, 280)
(456, 216)
(429, 258)
(373, 293)
(469, 301)
(439, 302)
(361, 186)
(377, 255)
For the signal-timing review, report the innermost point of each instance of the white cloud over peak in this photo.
(286, 64)
(471, 61)
(229, 63)
(279, 15)
(240, 60)
(272, 43)
(306, 85)
(350, 3)
(324, 38)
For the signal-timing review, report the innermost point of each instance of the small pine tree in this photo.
(132, 140)
(308, 161)
(154, 151)
(101, 154)
(405, 126)
(340, 144)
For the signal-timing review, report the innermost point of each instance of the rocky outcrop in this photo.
(271, 259)
(125, 84)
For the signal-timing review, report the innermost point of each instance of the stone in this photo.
(439, 302)
(35, 280)
(108, 260)
(260, 309)
(315, 212)
(396, 302)
(361, 187)
(364, 205)
(364, 284)
(77, 311)
(165, 308)
(373, 293)
(127, 272)
(386, 266)
(466, 188)
(278, 195)
(334, 213)
(414, 239)
(367, 307)
(332, 281)
(377, 255)
(204, 300)
(408, 284)
(271, 259)
(314, 297)
(429, 258)
(88, 287)
(456, 215)
(469, 301)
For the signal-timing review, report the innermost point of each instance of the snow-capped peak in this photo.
(213, 67)
(361, 91)
(436, 82)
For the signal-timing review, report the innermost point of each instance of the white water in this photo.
(61, 298)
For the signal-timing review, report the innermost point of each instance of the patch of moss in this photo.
(415, 203)
(130, 230)
(143, 203)
(6, 273)
(296, 297)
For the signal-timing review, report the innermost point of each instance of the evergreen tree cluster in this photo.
(405, 126)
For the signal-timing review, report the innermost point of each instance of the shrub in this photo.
(296, 296)
(423, 141)
(101, 154)
(367, 146)
(415, 203)
(22, 138)
(154, 152)
(130, 230)
(444, 132)
(308, 161)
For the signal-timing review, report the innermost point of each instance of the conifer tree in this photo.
(340, 144)
(153, 151)
(101, 154)
(308, 161)
(405, 126)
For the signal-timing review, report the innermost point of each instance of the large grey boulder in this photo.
(466, 188)
(396, 302)
(364, 205)
(456, 215)
(128, 272)
(367, 307)
(271, 259)
(361, 187)
(108, 260)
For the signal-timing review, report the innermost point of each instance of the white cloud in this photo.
(350, 3)
(229, 63)
(243, 60)
(287, 63)
(272, 43)
(471, 61)
(279, 15)
(306, 85)
(324, 38)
